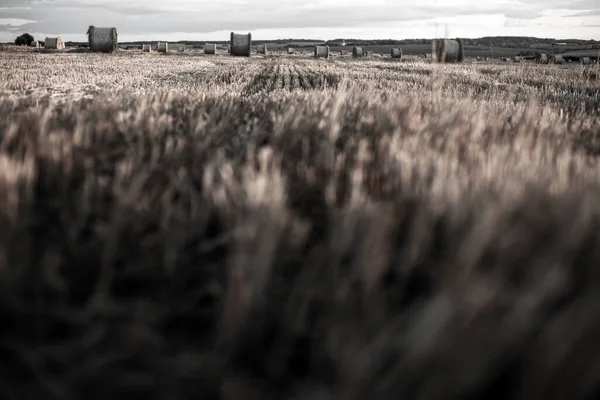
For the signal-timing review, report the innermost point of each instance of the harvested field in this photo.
(269, 228)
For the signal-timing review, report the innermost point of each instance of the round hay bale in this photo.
(517, 59)
(262, 49)
(241, 44)
(210, 48)
(358, 51)
(146, 48)
(162, 47)
(35, 44)
(103, 40)
(291, 50)
(322, 52)
(585, 61)
(448, 50)
(556, 59)
(541, 58)
(53, 43)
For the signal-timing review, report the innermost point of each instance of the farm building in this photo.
(103, 40)
(53, 43)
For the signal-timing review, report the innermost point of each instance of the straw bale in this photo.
(103, 40)
(162, 47)
(322, 52)
(240, 44)
(448, 50)
(358, 51)
(210, 48)
(541, 58)
(53, 43)
(262, 49)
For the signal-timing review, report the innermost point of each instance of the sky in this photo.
(173, 20)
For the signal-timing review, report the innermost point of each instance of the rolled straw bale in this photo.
(556, 59)
(35, 44)
(146, 48)
(262, 49)
(162, 47)
(291, 50)
(584, 61)
(241, 44)
(448, 50)
(541, 58)
(396, 53)
(53, 43)
(428, 56)
(322, 52)
(103, 40)
(358, 51)
(210, 48)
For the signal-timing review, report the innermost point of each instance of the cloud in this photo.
(135, 17)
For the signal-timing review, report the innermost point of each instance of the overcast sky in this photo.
(173, 20)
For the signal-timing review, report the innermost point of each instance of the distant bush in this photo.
(24, 39)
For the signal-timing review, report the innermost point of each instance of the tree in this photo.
(24, 39)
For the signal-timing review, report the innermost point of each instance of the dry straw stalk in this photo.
(103, 40)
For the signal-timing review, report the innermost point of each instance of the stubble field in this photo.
(209, 227)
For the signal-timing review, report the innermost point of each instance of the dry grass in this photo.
(193, 227)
